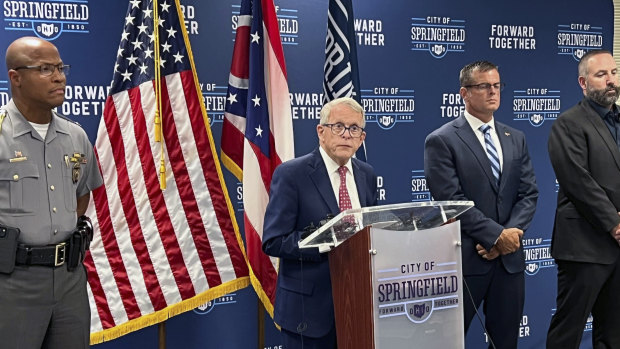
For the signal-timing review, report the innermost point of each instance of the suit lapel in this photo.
(602, 129)
(467, 135)
(320, 178)
(360, 180)
(505, 141)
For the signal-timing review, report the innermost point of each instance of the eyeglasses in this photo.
(486, 86)
(48, 69)
(339, 129)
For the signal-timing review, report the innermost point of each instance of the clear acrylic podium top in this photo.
(407, 216)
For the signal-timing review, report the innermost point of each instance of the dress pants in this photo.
(503, 295)
(44, 307)
(585, 288)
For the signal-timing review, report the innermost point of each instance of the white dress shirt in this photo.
(475, 124)
(334, 177)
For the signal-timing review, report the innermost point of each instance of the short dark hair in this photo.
(482, 66)
(582, 68)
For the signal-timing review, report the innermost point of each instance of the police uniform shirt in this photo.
(40, 180)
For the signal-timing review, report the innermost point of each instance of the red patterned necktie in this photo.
(344, 201)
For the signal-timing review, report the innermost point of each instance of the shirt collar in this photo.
(21, 125)
(602, 111)
(475, 123)
(331, 165)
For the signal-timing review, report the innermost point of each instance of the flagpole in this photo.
(261, 324)
(159, 135)
(162, 334)
(161, 327)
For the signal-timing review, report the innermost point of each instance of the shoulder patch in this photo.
(3, 114)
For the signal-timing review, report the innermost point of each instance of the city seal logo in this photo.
(536, 119)
(439, 50)
(205, 308)
(579, 53)
(419, 312)
(532, 268)
(48, 29)
(386, 121)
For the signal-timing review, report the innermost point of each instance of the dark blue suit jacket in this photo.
(301, 193)
(457, 168)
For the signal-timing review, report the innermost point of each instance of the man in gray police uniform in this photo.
(47, 171)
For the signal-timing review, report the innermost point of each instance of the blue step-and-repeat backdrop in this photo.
(410, 53)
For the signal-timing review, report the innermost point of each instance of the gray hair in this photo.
(349, 102)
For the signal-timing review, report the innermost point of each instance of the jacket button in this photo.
(302, 327)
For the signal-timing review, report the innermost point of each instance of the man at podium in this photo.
(305, 191)
(477, 158)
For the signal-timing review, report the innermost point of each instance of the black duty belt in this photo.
(50, 255)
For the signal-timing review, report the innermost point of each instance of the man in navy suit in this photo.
(305, 191)
(584, 148)
(477, 158)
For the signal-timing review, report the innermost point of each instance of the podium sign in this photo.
(396, 275)
(417, 294)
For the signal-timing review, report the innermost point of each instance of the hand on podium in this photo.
(311, 228)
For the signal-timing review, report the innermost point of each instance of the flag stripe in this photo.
(110, 242)
(279, 105)
(111, 258)
(271, 24)
(184, 187)
(215, 191)
(148, 293)
(263, 266)
(94, 314)
(129, 118)
(144, 180)
(101, 280)
(239, 66)
(232, 140)
(94, 285)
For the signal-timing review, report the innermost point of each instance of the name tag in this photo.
(18, 159)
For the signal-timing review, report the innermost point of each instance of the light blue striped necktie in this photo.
(491, 152)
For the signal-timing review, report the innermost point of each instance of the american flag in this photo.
(341, 78)
(157, 253)
(258, 132)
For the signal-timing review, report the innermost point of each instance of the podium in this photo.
(396, 275)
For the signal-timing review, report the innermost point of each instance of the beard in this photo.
(602, 97)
